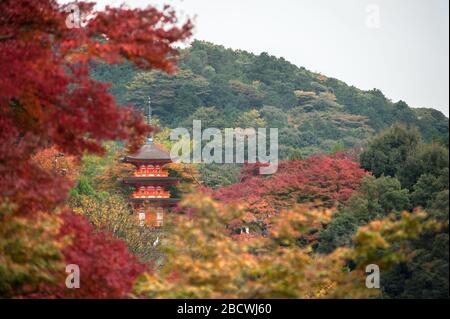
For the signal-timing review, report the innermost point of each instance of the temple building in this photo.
(151, 199)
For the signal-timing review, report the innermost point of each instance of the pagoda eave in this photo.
(163, 202)
(150, 180)
(141, 161)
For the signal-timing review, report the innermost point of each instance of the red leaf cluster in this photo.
(318, 178)
(107, 268)
(45, 88)
(23, 181)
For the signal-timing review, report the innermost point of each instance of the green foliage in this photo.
(295, 154)
(210, 117)
(274, 117)
(91, 167)
(249, 119)
(426, 275)
(113, 214)
(337, 147)
(433, 125)
(29, 253)
(387, 153)
(338, 233)
(83, 187)
(173, 97)
(423, 169)
(375, 199)
(121, 73)
(217, 175)
(431, 159)
(428, 187)
(439, 207)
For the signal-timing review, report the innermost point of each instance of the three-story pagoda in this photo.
(151, 199)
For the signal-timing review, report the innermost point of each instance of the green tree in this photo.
(426, 275)
(210, 117)
(274, 116)
(219, 175)
(251, 119)
(295, 154)
(388, 151)
(337, 147)
(430, 159)
(428, 187)
(375, 199)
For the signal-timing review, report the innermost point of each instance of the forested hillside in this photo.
(224, 87)
(401, 167)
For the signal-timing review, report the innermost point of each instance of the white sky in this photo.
(407, 56)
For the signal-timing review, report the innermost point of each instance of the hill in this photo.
(230, 88)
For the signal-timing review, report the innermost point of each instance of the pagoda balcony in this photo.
(147, 194)
(151, 172)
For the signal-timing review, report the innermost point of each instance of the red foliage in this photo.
(23, 181)
(107, 268)
(318, 178)
(45, 88)
(51, 159)
(251, 170)
(47, 98)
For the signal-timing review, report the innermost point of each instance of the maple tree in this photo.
(107, 268)
(324, 179)
(33, 260)
(47, 96)
(48, 100)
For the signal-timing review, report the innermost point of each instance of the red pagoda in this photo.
(151, 198)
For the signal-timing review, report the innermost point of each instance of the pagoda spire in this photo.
(151, 198)
(148, 113)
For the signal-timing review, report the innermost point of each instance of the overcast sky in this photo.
(398, 46)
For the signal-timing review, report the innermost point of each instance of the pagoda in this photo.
(151, 199)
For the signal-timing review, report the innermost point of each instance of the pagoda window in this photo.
(158, 170)
(159, 216)
(142, 192)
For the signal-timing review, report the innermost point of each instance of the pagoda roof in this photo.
(149, 152)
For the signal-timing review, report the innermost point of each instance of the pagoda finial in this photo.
(149, 118)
